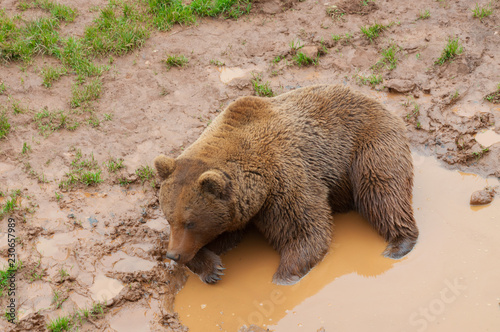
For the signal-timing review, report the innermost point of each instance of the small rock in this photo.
(71, 215)
(93, 221)
(142, 221)
(401, 86)
(310, 51)
(482, 197)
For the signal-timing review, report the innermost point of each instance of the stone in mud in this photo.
(92, 221)
(398, 85)
(482, 197)
(310, 51)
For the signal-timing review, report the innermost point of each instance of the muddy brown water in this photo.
(449, 282)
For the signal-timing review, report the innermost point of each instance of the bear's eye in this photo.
(189, 225)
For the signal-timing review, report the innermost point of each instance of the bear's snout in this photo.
(173, 257)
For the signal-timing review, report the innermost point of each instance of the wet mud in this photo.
(107, 242)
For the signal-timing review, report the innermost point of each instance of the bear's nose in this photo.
(173, 257)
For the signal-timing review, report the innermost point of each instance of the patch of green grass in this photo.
(261, 89)
(146, 173)
(478, 155)
(116, 34)
(301, 60)
(217, 63)
(424, 15)
(114, 164)
(335, 12)
(278, 58)
(57, 300)
(83, 170)
(9, 206)
(373, 31)
(58, 196)
(72, 321)
(389, 57)
(48, 122)
(5, 274)
(494, 97)
(452, 49)
(26, 148)
(84, 93)
(59, 324)
(481, 12)
(17, 108)
(370, 80)
(166, 13)
(58, 11)
(90, 178)
(3, 88)
(4, 125)
(51, 74)
(93, 121)
(108, 116)
(63, 273)
(295, 45)
(36, 37)
(124, 182)
(175, 61)
(76, 56)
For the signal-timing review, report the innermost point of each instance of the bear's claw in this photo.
(285, 281)
(399, 249)
(214, 276)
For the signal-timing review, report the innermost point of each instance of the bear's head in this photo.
(197, 202)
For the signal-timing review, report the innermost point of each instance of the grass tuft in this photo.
(481, 12)
(175, 61)
(373, 31)
(452, 49)
(83, 93)
(424, 15)
(166, 13)
(303, 60)
(51, 74)
(58, 11)
(146, 173)
(261, 89)
(116, 34)
(4, 125)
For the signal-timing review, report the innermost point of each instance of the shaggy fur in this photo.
(285, 164)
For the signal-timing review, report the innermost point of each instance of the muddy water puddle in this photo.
(487, 138)
(449, 282)
(228, 74)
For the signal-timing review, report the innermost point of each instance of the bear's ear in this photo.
(213, 182)
(164, 166)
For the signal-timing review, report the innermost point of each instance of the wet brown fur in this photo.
(286, 164)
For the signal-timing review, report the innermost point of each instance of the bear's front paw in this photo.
(213, 276)
(207, 265)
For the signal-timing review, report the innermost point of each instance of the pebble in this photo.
(482, 197)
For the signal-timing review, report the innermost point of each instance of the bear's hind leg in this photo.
(382, 181)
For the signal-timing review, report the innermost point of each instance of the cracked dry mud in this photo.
(110, 239)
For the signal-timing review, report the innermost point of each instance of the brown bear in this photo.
(286, 164)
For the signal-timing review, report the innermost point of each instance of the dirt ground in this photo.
(106, 242)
